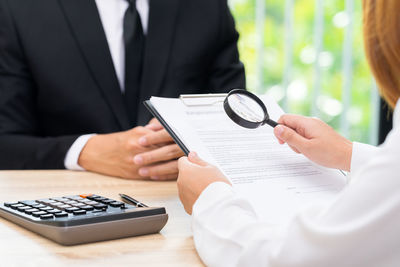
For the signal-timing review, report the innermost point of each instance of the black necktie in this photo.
(134, 47)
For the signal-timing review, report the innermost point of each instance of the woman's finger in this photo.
(194, 158)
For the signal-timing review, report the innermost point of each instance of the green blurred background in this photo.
(265, 67)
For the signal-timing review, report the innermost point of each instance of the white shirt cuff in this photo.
(361, 154)
(213, 193)
(72, 157)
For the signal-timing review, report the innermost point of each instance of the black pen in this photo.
(133, 201)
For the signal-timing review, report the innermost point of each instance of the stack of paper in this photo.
(277, 181)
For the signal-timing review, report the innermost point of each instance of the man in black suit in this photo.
(73, 75)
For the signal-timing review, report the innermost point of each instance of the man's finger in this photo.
(154, 125)
(167, 177)
(155, 138)
(164, 153)
(159, 170)
(139, 130)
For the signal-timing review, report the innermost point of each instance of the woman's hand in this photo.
(194, 176)
(316, 140)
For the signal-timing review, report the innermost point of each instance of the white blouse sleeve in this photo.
(361, 228)
(362, 153)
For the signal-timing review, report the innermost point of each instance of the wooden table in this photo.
(19, 247)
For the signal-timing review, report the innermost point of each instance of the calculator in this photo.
(78, 219)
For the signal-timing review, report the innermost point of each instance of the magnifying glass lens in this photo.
(246, 107)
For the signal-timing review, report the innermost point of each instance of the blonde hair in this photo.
(382, 45)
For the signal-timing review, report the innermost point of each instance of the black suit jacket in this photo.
(57, 79)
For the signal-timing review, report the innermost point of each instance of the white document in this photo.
(277, 181)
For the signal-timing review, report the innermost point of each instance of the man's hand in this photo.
(138, 153)
(194, 176)
(161, 162)
(112, 154)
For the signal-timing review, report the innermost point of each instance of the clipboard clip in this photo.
(201, 100)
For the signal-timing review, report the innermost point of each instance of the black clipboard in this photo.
(174, 136)
(157, 115)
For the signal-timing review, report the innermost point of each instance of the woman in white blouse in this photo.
(361, 228)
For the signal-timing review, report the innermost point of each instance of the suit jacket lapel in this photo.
(86, 26)
(161, 28)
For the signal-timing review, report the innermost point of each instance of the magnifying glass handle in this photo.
(272, 123)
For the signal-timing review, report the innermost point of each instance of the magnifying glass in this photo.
(246, 109)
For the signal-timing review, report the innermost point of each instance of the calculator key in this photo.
(29, 202)
(46, 201)
(72, 209)
(58, 204)
(61, 199)
(116, 204)
(54, 211)
(36, 205)
(61, 214)
(74, 197)
(71, 202)
(63, 207)
(30, 211)
(85, 200)
(46, 216)
(86, 195)
(100, 198)
(100, 206)
(39, 206)
(87, 208)
(107, 201)
(39, 213)
(93, 197)
(24, 208)
(80, 212)
(16, 206)
(79, 204)
(8, 204)
(46, 208)
(92, 203)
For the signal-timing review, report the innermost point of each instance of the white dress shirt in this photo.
(361, 228)
(112, 15)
